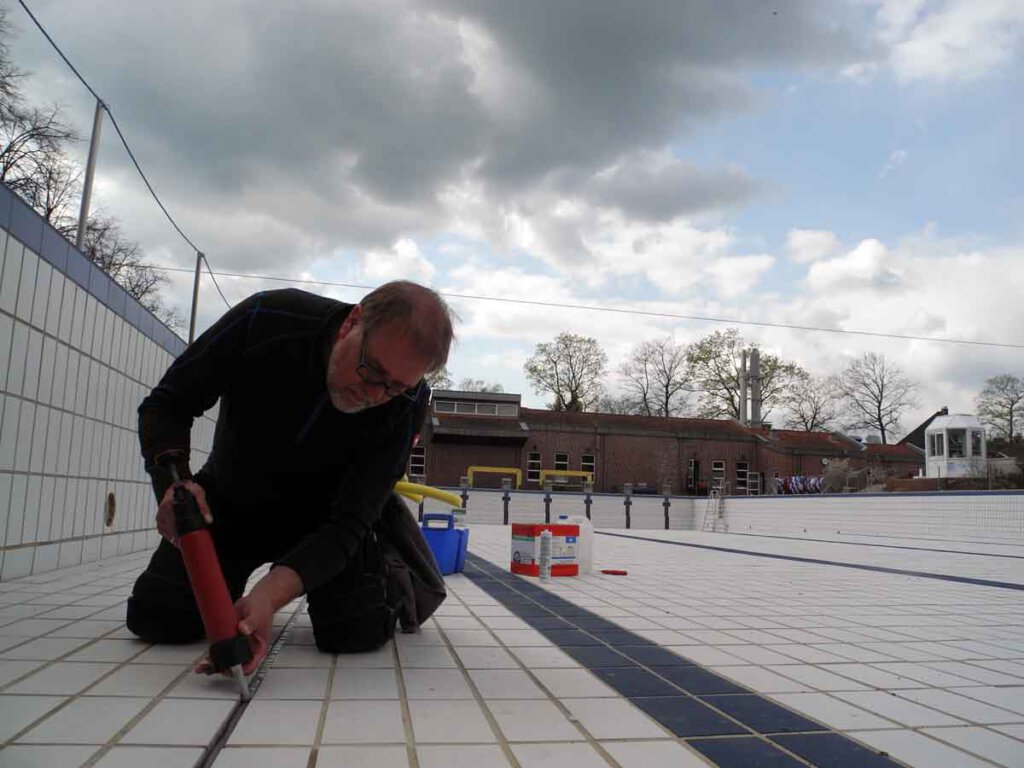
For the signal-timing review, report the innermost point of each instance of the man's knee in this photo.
(162, 610)
(352, 616)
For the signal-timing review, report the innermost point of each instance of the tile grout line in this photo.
(403, 702)
(492, 722)
(222, 735)
(556, 701)
(69, 698)
(322, 718)
(764, 737)
(775, 743)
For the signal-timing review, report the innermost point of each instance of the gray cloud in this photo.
(348, 119)
(654, 191)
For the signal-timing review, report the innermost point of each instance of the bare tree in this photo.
(876, 393)
(571, 368)
(33, 142)
(620, 404)
(999, 404)
(656, 377)
(34, 163)
(441, 379)
(814, 403)
(479, 385)
(714, 365)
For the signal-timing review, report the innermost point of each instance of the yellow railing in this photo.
(545, 473)
(416, 492)
(495, 470)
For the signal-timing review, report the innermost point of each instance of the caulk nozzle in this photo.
(243, 684)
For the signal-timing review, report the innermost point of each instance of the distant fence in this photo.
(981, 516)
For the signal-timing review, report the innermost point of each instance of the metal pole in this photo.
(195, 297)
(743, 388)
(666, 504)
(90, 172)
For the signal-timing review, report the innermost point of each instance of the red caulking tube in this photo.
(614, 572)
(229, 649)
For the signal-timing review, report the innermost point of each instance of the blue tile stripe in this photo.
(36, 234)
(836, 563)
(689, 700)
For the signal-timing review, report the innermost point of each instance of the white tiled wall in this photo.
(72, 374)
(995, 517)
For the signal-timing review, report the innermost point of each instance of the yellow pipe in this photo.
(416, 492)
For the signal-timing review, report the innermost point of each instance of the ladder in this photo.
(714, 512)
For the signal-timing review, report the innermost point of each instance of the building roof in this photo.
(615, 422)
(455, 425)
(810, 442)
(916, 437)
(487, 397)
(955, 421)
(895, 452)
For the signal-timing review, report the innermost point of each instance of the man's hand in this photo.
(255, 616)
(255, 613)
(165, 512)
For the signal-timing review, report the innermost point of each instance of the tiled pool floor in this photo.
(698, 656)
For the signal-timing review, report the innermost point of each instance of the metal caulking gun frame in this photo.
(229, 649)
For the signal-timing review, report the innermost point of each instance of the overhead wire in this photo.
(124, 141)
(620, 310)
(473, 297)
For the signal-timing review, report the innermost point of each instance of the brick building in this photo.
(688, 456)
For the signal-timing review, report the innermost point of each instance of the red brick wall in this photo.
(624, 458)
(448, 462)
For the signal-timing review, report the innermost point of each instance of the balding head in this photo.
(415, 310)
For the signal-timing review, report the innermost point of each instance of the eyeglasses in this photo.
(372, 377)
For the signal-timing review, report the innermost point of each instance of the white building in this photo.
(955, 447)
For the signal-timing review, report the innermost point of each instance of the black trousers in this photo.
(350, 613)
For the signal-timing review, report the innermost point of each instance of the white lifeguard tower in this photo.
(955, 447)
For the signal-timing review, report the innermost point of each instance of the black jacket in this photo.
(283, 457)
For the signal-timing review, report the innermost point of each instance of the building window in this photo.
(977, 438)
(465, 408)
(507, 409)
(562, 461)
(587, 464)
(718, 475)
(936, 445)
(533, 467)
(444, 406)
(486, 409)
(418, 462)
(754, 483)
(957, 443)
(742, 468)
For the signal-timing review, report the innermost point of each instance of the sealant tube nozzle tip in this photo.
(243, 684)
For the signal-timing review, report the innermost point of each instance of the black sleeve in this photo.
(190, 387)
(357, 507)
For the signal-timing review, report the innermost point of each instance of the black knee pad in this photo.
(163, 611)
(354, 619)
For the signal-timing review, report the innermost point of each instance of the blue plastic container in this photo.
(448, 543)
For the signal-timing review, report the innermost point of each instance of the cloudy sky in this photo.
(852, 164)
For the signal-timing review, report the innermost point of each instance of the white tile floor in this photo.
(931, 672)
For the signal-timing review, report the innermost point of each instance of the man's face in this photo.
(366, 371)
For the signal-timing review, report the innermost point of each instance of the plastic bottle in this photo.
(585, 543)
(545, 555)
